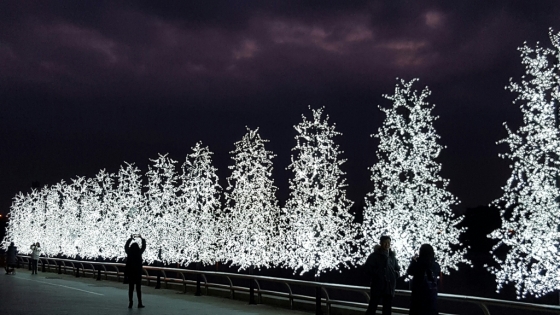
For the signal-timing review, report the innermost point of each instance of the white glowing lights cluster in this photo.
(409, 201)
(180, 214)
(249, 226)
(318, 232)
(199, 197)
(92, 217)
(530, 231)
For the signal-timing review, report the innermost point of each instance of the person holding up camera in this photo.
(35, 253)
(134, 268)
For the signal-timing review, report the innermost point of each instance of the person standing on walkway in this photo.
(35, 253)
(134, 268)
(11, 259)
(424, 270)
(383, 267)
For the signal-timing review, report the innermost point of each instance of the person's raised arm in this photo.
(143, 245)
(127, 245)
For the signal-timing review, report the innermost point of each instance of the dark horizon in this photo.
(88, 86)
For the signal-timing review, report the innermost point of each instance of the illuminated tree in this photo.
(409, 201)
(249, 226)
(50, 243)
(129, 212)
(17, 229)
(102, 236)
(529, 207)
(199, 199)
(316, 226)
(161, 209)
(71, 236)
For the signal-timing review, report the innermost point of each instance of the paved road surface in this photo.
(54, 294)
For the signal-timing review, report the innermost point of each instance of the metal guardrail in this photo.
(201, 275)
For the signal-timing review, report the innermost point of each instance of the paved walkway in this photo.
(51, 293)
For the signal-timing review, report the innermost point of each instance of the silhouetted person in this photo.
(134, 269)
(383, 267)
(424, 271)
(11, 259)
(35, 253)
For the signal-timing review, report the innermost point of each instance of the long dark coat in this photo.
(134, 259)
(11, 255)
(423, 299)
(383, 268)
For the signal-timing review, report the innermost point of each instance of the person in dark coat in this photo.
(383, 268)
(424, 271)
(11, 259)
(134, 269)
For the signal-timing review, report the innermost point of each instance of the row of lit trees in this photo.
(183, 219)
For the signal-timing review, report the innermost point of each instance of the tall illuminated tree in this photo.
(409, 200)
(50, 242)
(316, 226)
(17, 230)
(249, 226)
(71, 240)
(529, 207)
(160, 208)
(102, 236)
(129, 213)
(199, 199)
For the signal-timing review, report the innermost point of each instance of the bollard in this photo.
(158, 282)
(98, 274)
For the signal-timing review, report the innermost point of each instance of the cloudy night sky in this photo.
(87, 85)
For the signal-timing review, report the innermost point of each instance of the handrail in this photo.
(479, 301)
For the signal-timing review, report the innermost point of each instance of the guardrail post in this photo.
(99, 274)
(60, 268)
(198, 291)
(158, 282)
(43, 267)
(318, 310)
(251, 287)
(77, 271)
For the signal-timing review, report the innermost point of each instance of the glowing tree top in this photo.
(529, 207)
(199, 199)
(317, 227)
(409, 201)
(250, 223)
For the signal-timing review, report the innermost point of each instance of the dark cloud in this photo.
(85, 85)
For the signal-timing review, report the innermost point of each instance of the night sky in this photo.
(87, 85)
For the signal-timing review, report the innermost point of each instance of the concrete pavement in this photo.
(54, 294)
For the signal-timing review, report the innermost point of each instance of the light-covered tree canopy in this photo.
(249, 227)
(317, 229)
(529, 206)
(409, 201)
